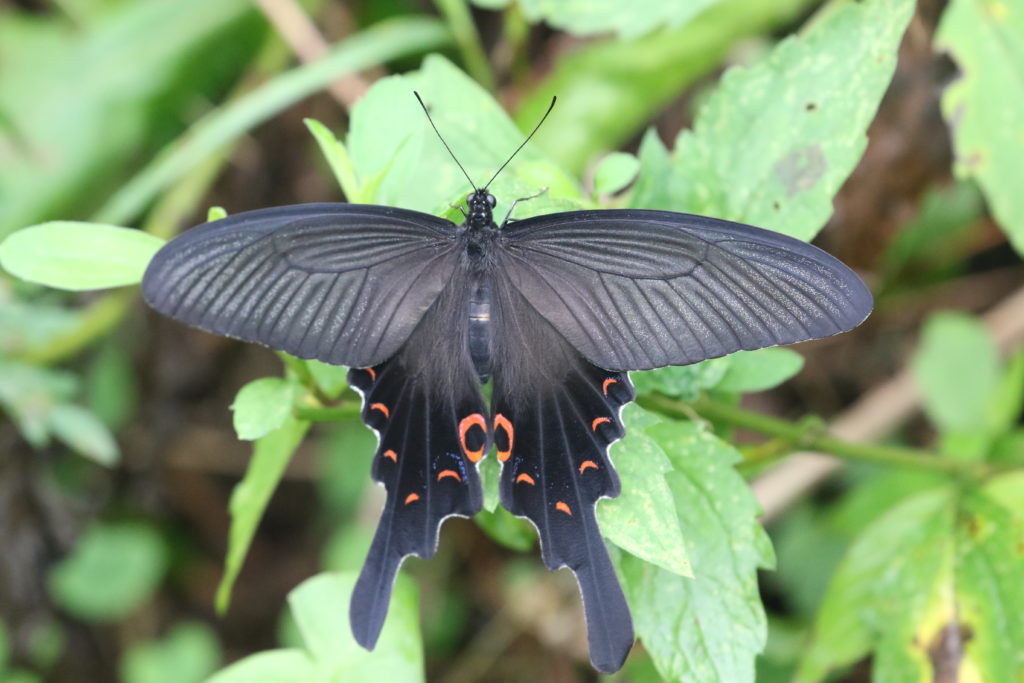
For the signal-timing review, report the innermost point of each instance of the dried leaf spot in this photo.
(811, 106)
(946, 651)
(799, 171)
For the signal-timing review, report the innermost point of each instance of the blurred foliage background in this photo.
(890, 131)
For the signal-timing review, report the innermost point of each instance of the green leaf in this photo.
(111, 386)
(112, 570)
(337, 159)
(271, 454)
(683, 381)
(609, 90)
(215, 213)
(262, 406)
(5, 647)
(490, 473)
(78, 256)
(391, 140)
(642, 519)
(750, 371)
(772, 145)
(398, 655)
(957, 368)
(711, 627)
(290, 665)
(189, 653)
(84, 433)
(934, 581)
(507, 529)
(331, 379)
(628, 20)
(29, 394)
(985, 106)
(615, 172)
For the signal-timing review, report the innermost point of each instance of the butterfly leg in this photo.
(508, 216)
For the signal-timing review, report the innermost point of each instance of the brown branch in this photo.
(877, 414)
(298, 31)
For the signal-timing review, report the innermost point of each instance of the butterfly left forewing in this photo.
(426, 458)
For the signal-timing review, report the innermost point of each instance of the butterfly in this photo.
(554, 310)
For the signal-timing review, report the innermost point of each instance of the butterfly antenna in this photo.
(535, 129)
(427, 112)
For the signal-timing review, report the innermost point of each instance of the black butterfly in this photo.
(555, 308)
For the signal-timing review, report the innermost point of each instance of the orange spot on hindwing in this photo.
(607, 383)
(412, 498)
(467, 423)
(501, 422)
(598, 421)
(382, 408)
(587, 465)
(390, 455)
(373, 374)
(448, 473)
(562, 507)
(525, 478)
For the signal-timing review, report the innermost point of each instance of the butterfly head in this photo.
(481, 207)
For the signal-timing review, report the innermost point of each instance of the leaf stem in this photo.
(460, 21)
(810, 434)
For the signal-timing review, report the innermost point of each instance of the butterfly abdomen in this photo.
(479, 327)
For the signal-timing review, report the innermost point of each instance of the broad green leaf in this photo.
(609, 90)
(750, 371)
(615, 172)
(507, 529)
(270, 456)
(78, 256)
(189, 653)
(957, 369)
(932, 585)
(711, 627)
(628, 20)
(337, 158)
(774, 142)
(683, 381)
(111, 385)
(985, 106)
(112, 570)
(642, 519)
(490, 472)
(262, 406)
(84, 433)
(25, 326)
(389, 133)
(398, 655)
(370, 47)
(331, 379)
(291, 665)
(343, 463)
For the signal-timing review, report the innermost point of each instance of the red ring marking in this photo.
(382, 408)
(525, 478)
(467, 423)
(598, 421)
(503, 422)
(390, 455)
(412, 498)
(448, 473)
(587, 465)
(562, 507)
(373, 374)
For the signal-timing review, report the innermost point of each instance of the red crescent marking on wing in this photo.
(562, 507)
(382, 408)
(373, 374)
(412, 498)
(524, 477)
(503, 422)
(467, 423)
(448, 473)
(598, 421)
(587, 465)
(608, 382)
(391, 455)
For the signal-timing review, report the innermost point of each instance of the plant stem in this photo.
(341, 411)
(460, 21)
(811, 435)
